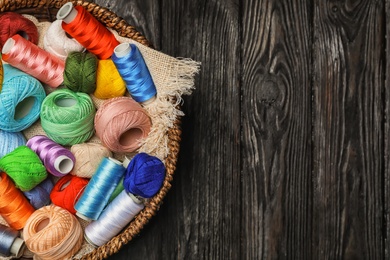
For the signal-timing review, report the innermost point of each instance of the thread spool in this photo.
(80, 72)
(40, 195)
(14, 207)
(133, 70)
(53, 233)
(58, 43)
(66, 108)
(125, 131)
(109, 83)
(24, 167)
(13, 23)
(67, 191)
(10, 141)
(99, 189)
(1, 74)
(33, 60)
(88, 157)
(58, 160)
(20, 100)
(10, 243)
(88, 31)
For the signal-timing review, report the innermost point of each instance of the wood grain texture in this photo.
(348, 130)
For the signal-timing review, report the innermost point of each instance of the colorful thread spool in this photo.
(24, 167)
(109, 83)
(88, 31)
(99, 189)
(10, 243)
(14, 207)
(68, 117)
(33, 60)
(67, 191)
(1, 73)
(10, 141)
(131, 66)
(20, 100)
(53, 233)
(40, 195)
(124, 131)
(58, 160)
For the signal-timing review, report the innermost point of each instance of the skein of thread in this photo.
(99, 189)
(10, 243)
(20, 100)
(40, 195)
(33, 60)
(133, 70)
(14, 207)
(80, 72)
(88, 31)
(10, 141)
(124, 131)
(76, 111)
(109, 83)
(53, 233)
(58, 160)
(24, 167)
(1, 74)
(88, 157)
(13, 23)
(58, 43)
(67, 191)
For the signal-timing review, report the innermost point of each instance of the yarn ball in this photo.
(53, 233)
(24, 167)
(109, 83)
(40, 195)
(88, 157)
(10, 141)
(13, 23)
(80, 72)
(57, 42)
(144, 175)
(67, 191)
(68, 117)
(20, 100)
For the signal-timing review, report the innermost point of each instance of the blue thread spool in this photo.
(99, 189)
(10, 141)
(40, 195)
(10, 243)
(133, 70)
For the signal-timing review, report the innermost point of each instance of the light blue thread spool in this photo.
(10, 141)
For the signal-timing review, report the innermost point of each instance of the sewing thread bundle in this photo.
(58, 160)
(39, 196)
(33, 60)
(10, 243)
(109, 83)
(89, 32)
(131, 66)
(10, 141)
(14, 207)
(68, 117)
(20, 100)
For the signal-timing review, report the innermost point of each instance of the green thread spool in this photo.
(24, 167)
(80, 72)
(68, 117)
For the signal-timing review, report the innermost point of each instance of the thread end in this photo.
(122, 50)
(17, 247)
(8, 45)
(67, 13)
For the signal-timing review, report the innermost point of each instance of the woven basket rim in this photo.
(45, 10)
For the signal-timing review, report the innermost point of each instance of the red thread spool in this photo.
(88, 31)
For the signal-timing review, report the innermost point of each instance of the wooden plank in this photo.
(348, 130)
(276, 130)
(386, 183)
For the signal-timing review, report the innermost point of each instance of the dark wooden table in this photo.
(285, 148)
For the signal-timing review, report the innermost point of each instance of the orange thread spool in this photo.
(14, 207)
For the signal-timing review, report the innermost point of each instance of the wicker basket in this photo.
(46, 10)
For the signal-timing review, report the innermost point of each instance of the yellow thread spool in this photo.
(109, 83)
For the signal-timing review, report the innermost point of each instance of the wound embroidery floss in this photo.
(24, 167)
(80, 72)
(20, 100)
(68, 117)
(88, 31)
(53, 233)
(1, 73)
(40, 195)
(10, 141)
(33, 60)
(67, 192)
(99, 189)
(125, 131)
(131, 66)
(109, 83)
(14, 207)
(10, 243)
(58, 160)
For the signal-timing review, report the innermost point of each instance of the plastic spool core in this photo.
(65, 185)
(8, 45)
(126, 162)
(24, 107)
(122, 50)
(63, 164)
(67, 13)
(17, 247)
(130, 137)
